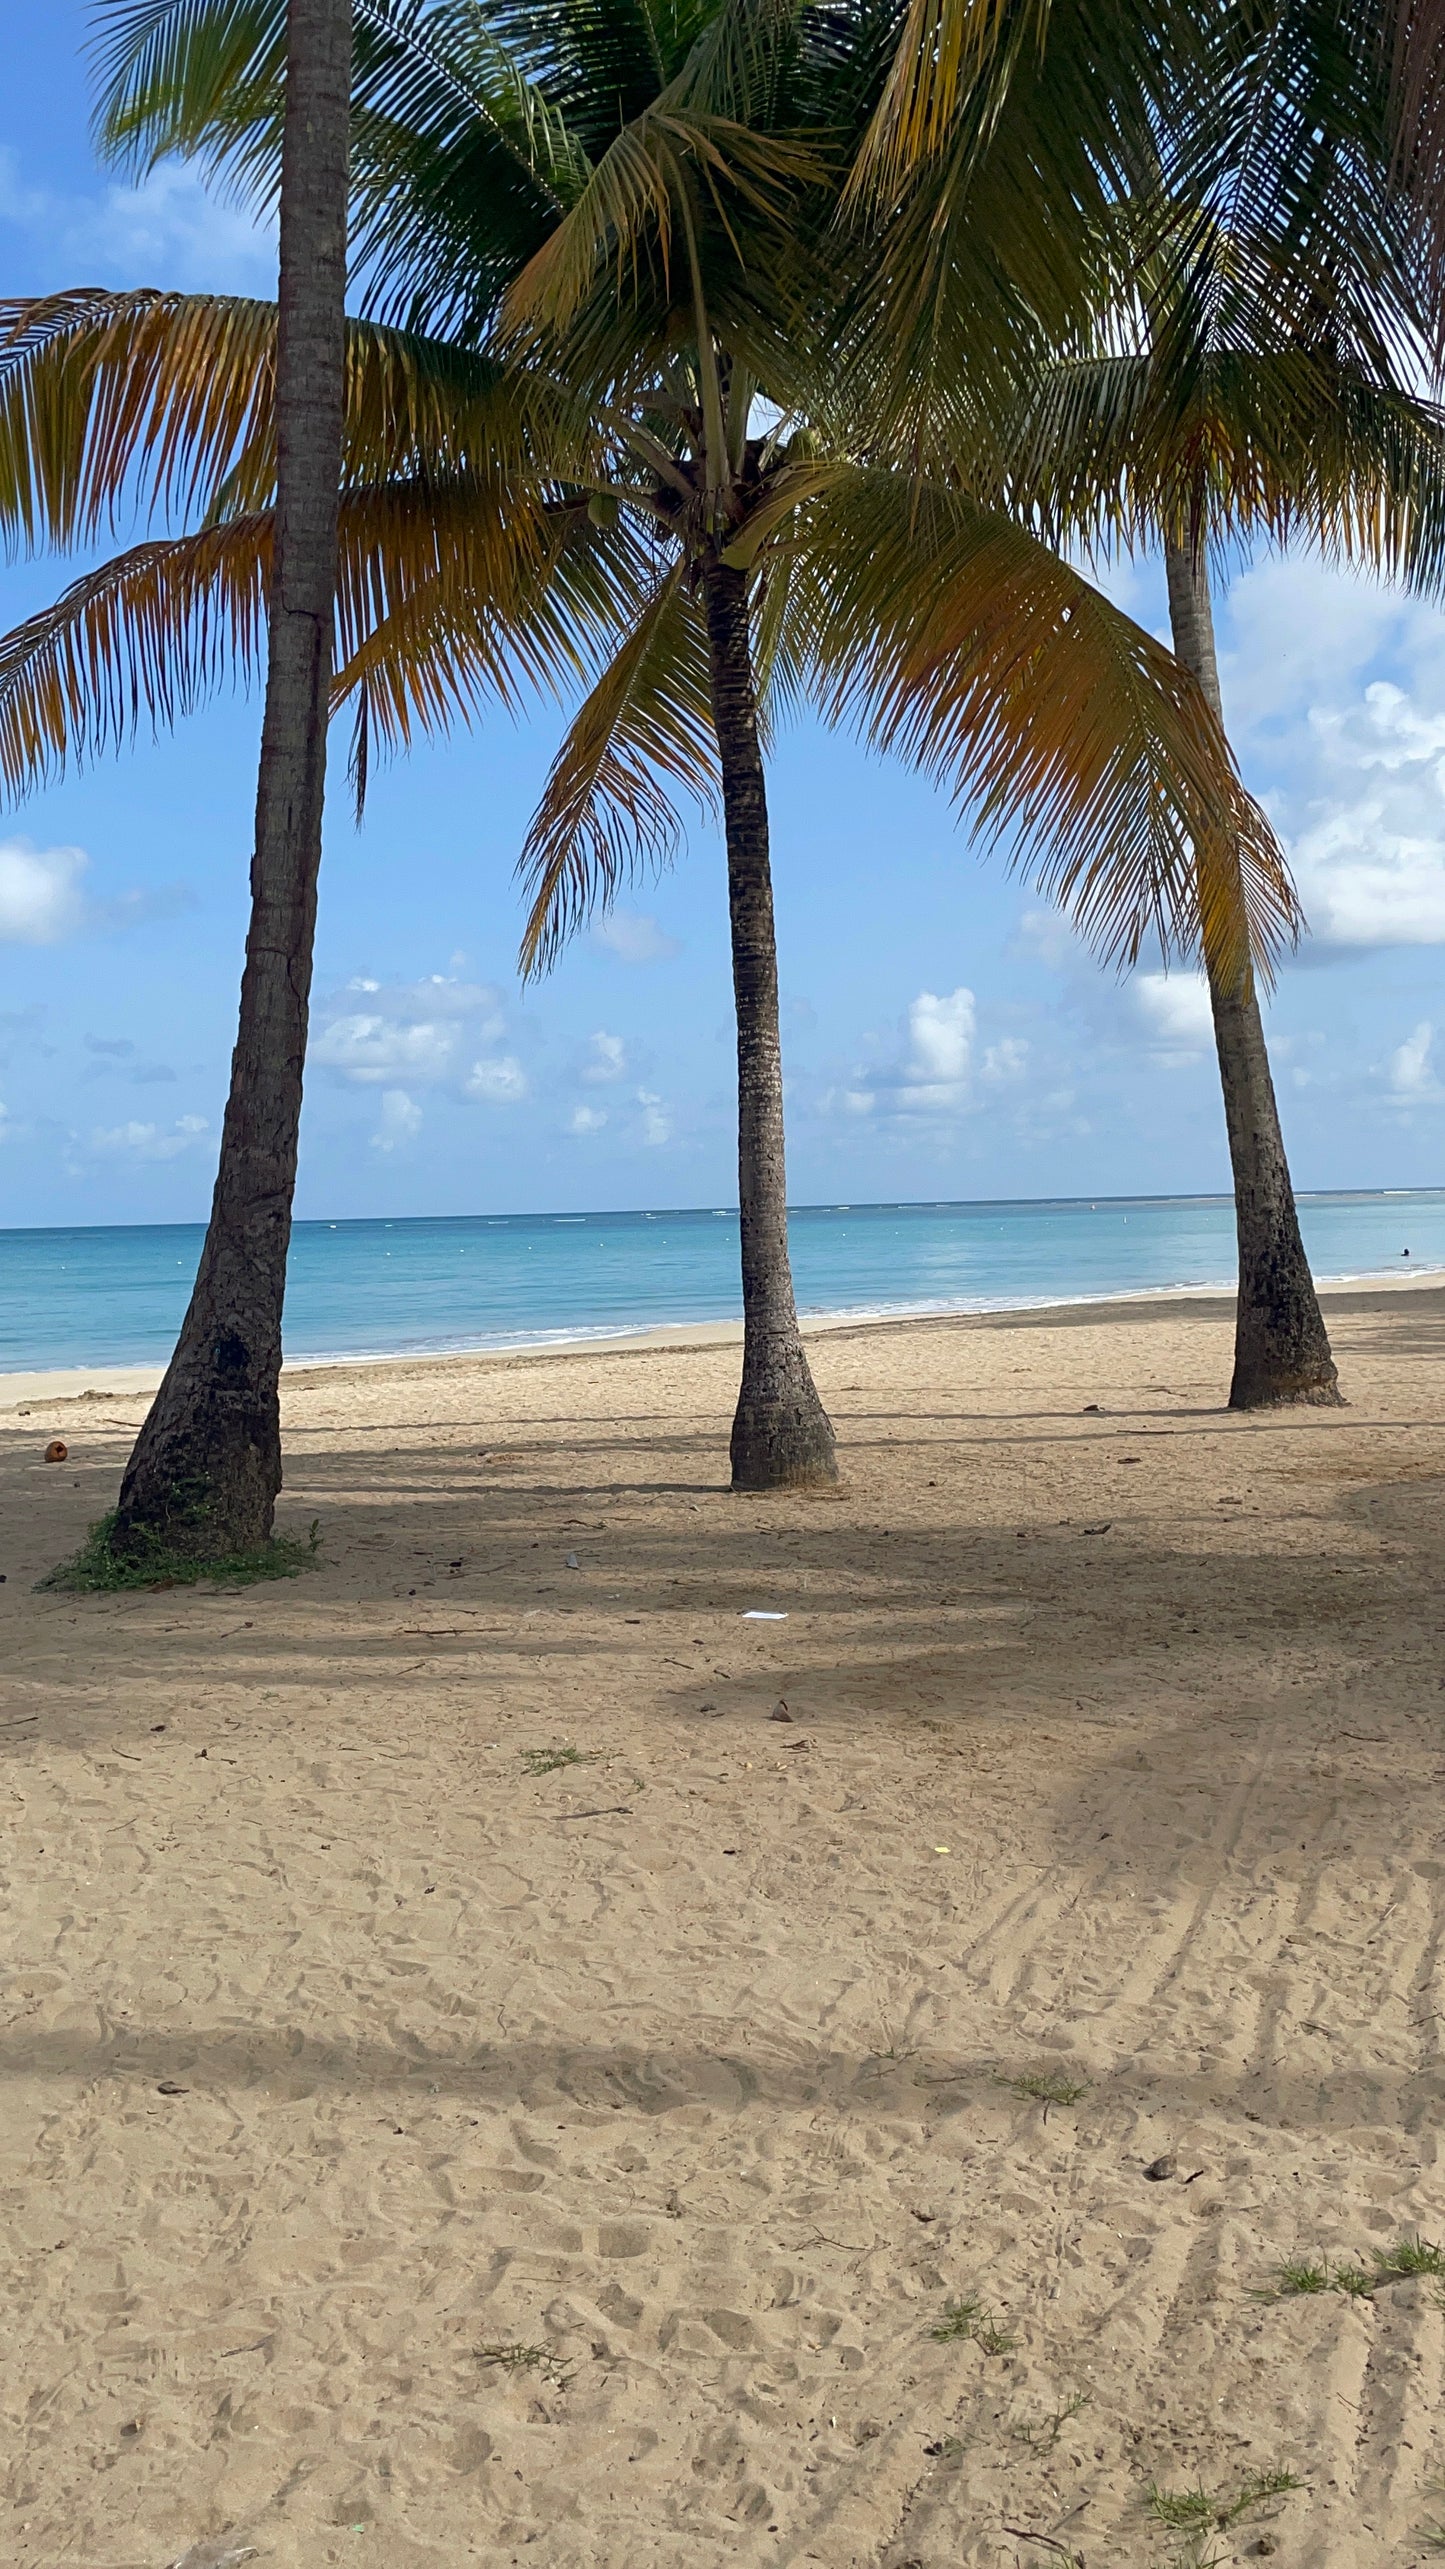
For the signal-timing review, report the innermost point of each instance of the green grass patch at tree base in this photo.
(100, 1569)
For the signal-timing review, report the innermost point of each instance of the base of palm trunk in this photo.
(203, 1480)
(1283, 1361)
(782, 1436)
(1269, 1383)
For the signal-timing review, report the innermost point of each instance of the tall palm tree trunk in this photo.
(206, 1468)
(781, 1433)
(1281, 1350)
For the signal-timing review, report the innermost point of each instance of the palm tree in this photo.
(715, 535)
(1254, 315)
(1250, 382)
(206, 1468)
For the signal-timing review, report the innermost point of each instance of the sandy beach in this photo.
(508, 2059)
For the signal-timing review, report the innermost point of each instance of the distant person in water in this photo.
(1404, 1253)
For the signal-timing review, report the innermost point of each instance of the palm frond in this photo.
(669, 163)
(1292, 446)
(949, 634)
(443, 643)
(146, 637)
(946, 49)
(142, 639)
(111, 402)
(1413, 35)
(607, 812)
(460, 165)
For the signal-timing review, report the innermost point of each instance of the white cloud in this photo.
(606, 1059)
(586, 1119)
(1006, 1061)
(656, 1122)
(633, 937)
(41, 900)
(165, 231)
(1412, 1070)
(1048, 935)
(400, 1120)
(933, 1076)
(1302, 634)
(501, 1081)
(1175, 1010)
(411, 1031)
(1371, 859)
(147, 1141)
(1351, 761)
(942, 1032)
(365, 1048)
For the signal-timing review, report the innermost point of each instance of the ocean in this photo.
(115, 1296)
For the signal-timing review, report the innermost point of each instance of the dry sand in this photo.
(340, 2048)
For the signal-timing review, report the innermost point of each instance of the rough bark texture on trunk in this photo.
(206, 1468)
(1281, 1350)
(781, 1435)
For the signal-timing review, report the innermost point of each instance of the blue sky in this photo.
(945, 1036)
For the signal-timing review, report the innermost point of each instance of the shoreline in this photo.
(54, 1386)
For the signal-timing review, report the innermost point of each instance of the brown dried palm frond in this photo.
(111, 402)
(144, 638)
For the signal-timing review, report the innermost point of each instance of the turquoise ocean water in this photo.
(116, 1296)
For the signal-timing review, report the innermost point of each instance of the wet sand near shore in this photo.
(507, 2058)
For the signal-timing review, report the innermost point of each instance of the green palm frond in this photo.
(603, 62)
(1119, 450)
(950, 635)
(460, 166)
(661, 172)
(607, 812)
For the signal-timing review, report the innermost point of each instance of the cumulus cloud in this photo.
(1174, 1008)
(167, 230)
(606, 1059)
(586, 1119)
(656, 1122)
(500, 1081)
(1005, 1062)
(379, 1033)
(1301, 634)
(147, 1141)
(41, 899)
(1351, 759)
(634, 937)
(942, 1031)
(1370, 858)
(1413, 1077)
(933, 1076)
(369, 1048)
(401, 1120)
